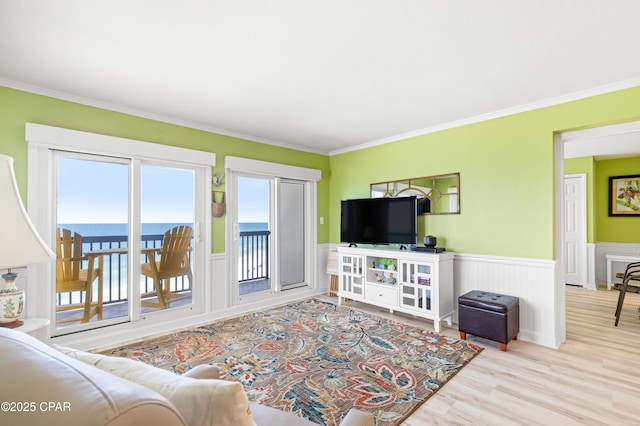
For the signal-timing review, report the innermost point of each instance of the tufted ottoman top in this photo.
(489, 301)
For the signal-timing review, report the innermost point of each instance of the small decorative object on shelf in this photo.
(430, 241)
(388, 264)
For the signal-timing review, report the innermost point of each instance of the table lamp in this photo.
(20, 244)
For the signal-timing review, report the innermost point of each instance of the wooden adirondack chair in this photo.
(70, 277)
(170, 261)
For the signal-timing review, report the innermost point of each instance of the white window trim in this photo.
(237, 165)
(41, 140)
(245, 165)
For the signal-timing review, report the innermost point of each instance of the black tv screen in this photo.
(378, 221)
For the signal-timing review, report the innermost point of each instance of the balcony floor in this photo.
(254, 286)
(119, 309)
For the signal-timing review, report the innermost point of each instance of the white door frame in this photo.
(236, 165)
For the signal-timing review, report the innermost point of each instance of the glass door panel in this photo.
(291, 235)
(92, 204)
(253, 231)
(166, 246)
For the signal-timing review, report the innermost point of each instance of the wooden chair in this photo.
(70, 277)
(172, 261)
(630, 283)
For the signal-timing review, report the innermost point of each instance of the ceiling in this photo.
(322, 76)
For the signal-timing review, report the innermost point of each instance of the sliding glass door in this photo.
(167, 217)
(291, 233)
(92, 211)
(269, 244)
(253, 235)
(108, 212)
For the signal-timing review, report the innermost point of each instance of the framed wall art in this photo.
(624, 195)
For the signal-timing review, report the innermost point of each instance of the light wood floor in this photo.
(592, 379)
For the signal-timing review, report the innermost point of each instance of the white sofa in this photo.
(62, 386)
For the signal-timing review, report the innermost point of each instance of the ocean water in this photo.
(111, 229)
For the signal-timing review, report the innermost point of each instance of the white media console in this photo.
(406, 281)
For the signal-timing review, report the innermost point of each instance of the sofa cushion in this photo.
(200, 401)
(34, 376)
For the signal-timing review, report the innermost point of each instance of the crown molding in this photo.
(599, 90)
(12, 84)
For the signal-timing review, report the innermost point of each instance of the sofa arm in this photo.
(357, 418)
(203, 371)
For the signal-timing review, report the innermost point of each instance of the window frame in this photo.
(42, 141)
(243, 166)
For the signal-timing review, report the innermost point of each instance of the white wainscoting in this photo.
(531, 280)
(592, 283)
(603, 248)
(322, 279)
(221, 294)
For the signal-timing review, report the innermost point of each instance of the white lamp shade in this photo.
(20, 243)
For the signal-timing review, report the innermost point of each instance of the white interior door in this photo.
(575, 198)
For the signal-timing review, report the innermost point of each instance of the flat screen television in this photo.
(379, 221)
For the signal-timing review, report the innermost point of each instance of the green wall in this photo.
(506, 170)
(18, 107)
(586, 165)
(619, 229)
(506, 166)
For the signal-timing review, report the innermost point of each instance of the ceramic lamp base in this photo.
(11, 302)
(14, 324)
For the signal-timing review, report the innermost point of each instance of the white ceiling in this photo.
(323, 76)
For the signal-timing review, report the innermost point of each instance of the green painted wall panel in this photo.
(506, 165)
(506, 170)
(618, 229)
(18, 107)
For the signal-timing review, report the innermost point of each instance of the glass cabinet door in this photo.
(415, 285)
(352, 275)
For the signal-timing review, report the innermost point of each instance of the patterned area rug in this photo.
(317, 360)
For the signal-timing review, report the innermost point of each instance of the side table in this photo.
(625, 258)
(33, 324)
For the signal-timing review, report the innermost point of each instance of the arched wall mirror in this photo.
(438, 194)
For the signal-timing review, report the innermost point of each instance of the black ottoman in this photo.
(489, 315)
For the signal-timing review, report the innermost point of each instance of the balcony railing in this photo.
(253, 265)
(253, 247)
(115, 273)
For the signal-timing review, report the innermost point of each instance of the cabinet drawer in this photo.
(381, 294)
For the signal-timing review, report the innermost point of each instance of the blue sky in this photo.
(97, 192)
(253, 199)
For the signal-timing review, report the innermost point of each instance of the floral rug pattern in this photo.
(317, 360)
